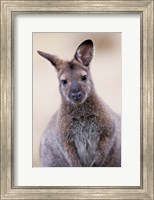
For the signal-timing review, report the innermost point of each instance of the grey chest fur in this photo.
(85, 133)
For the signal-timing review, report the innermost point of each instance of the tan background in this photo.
(105, 69)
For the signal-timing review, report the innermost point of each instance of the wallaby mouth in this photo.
(77, 97)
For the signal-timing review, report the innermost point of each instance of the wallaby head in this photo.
(74, 77)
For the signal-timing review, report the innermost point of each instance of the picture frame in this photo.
(8, 11)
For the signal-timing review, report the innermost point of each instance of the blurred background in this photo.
(105, 69)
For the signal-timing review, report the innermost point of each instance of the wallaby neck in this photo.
(92, 107)
(88, 107)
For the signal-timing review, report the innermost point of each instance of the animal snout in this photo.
(76, 95)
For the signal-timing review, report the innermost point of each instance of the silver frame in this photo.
(8, 10)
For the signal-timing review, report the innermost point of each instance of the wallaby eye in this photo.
(84, 78)
(64, 82)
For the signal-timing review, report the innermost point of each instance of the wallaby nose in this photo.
(76, 93)
(76, 96)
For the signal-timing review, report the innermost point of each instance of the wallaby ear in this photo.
(84, 52)
(52, 58)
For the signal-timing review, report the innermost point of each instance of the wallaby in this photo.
(84, 132)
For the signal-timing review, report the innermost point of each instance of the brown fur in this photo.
(84, 131)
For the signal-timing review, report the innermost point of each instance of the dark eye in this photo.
(84, 78)
(64, 82)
